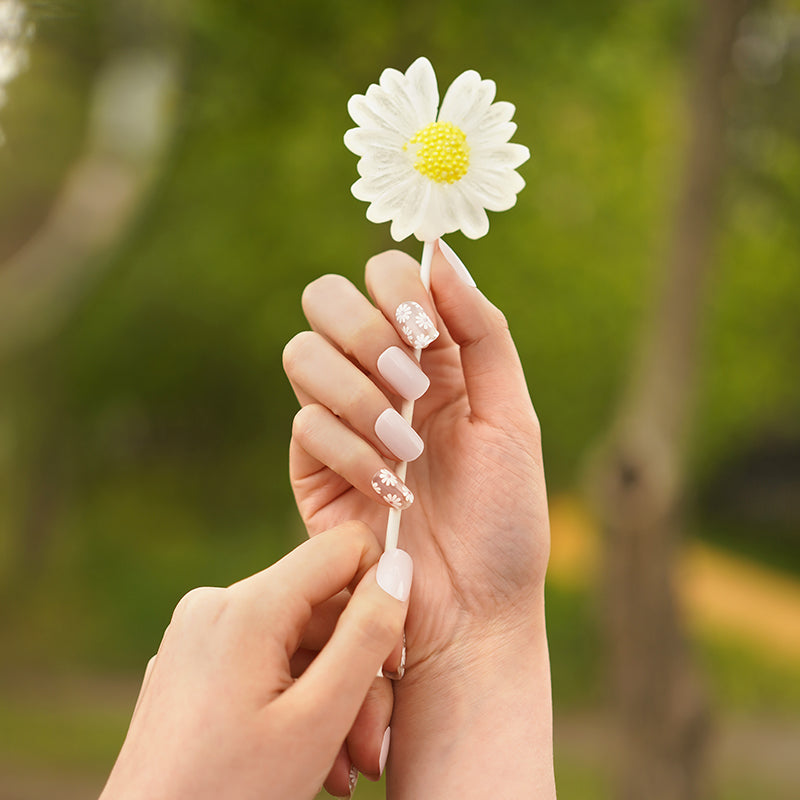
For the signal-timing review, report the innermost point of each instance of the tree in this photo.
(638, 472)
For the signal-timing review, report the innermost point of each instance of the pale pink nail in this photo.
(391, 489)
(398, 436)
(402, 373)
(456, 263)
(415, 324)
(387, 736)
(395, 570)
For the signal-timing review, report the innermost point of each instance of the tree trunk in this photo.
(637, 478)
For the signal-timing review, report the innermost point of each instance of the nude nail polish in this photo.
(395, 571)
(398, 436)
(456, 263)
(387, 736)
(416, 326)
(402, 373)
(391, 489)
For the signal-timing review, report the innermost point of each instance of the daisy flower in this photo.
(432, 173)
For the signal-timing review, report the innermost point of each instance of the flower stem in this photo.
(407, 409)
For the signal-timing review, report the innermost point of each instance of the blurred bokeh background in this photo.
(172, 174)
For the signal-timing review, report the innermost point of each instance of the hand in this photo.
(222, 713)
(478, 527)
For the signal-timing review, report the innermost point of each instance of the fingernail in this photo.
(353, 779)
(395, 570)
(402, 373)
(398, 436)
(401, 668)
(415, 324)
(387, 736)
(391, 489)
(456, 263)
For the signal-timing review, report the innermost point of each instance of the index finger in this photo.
(313, 572)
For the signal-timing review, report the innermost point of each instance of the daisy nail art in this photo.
(391, 489)
(417, 327)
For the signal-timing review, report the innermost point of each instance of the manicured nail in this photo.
(391, 489)
(456, 263)
(395, 570)
(353, 779)
(387, 736)
(401, 668)
(416, 325)
(398, 436)
(402, 373)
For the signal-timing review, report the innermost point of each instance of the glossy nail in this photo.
(391, 489)
(456, 263)
(402, 373)
(387, 736)
(398, 436)
(415, 324)
(395, 570)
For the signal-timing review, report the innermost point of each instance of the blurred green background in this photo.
(144, 416)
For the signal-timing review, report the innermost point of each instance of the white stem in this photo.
(407, 409)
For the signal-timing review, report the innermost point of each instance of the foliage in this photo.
(151, 431)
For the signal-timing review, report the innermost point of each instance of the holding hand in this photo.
(255, 687)
(477, 529)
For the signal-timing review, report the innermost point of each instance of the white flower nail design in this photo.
(391, 489)
(432, 170)
(415, 324)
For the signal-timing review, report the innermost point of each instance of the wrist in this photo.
(486, 700)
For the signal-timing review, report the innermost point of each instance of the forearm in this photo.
(480, 727)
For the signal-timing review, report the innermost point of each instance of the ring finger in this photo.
(319, 373)
(336, 308)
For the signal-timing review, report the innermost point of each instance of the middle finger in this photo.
(320, 373)
(336, 308)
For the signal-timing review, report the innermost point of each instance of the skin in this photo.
(473, 711)
(255, 687)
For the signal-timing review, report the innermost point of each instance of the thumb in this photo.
(328, 695)
(492, 370)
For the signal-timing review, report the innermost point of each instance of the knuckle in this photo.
(358, 534)
(498, 319)
(363, 404)
(305, 421)
(204, 604)
(390, 260)
(296, 347)
(366, 329)
(322, 288)
(376, 631)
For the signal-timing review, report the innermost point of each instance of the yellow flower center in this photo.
(441, 152)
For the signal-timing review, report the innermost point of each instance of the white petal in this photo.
(365, 116)
(468, 97)
(418, 88)
(377, 161)
(395, 109)
(472, 219)
(495, 192)
(361, 140)
(494, 122)
(503, 156)
(374, 185)
(389, 203)
(438, 218)
(414, 210)
(491, 137)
